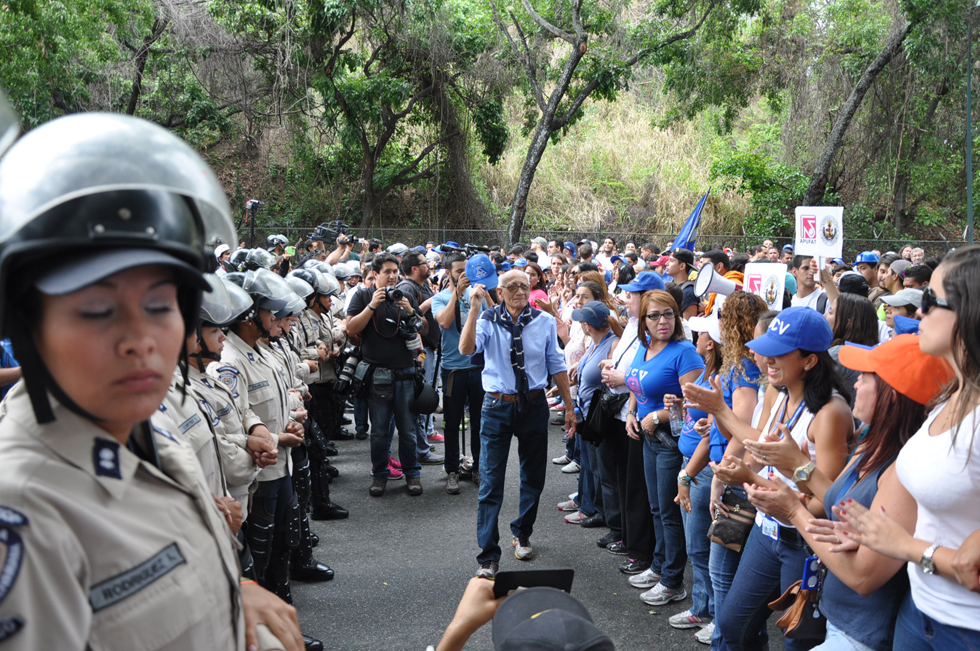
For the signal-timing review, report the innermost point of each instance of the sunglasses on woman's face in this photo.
(930, 300)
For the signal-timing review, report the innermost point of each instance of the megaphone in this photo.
(710, 281)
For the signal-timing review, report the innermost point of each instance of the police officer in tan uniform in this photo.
(112, 538)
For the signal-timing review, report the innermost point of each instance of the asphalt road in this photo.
(402, 563)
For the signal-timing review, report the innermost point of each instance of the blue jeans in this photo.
(360, 414)
(916, 631)
(696, 525)
(660, 466)
(459, 387)
(501, 423)
(767, 568)
(382, 412)
(586, 479)
(722, 565)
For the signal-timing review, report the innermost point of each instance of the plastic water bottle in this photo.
(676, 418)
(578, 415)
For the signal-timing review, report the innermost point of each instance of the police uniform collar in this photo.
(239, 344)
(78, 441)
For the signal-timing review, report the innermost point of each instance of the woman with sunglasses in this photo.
(664, 362)
(934, 526)
(113, 540)
(812, 412)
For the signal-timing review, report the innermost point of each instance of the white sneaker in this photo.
(687, 619)
(571, 468)
(575, 518)
(570, 505)
(522, 549)
(659, 595)
(645, 579)
(561, 461)
(706, 633)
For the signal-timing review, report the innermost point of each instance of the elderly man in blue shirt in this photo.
(520, 349)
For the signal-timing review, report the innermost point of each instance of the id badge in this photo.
(770, 527)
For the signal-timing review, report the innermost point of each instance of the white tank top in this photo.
(799, 434)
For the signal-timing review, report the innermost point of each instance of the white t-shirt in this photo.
(604, 261)
(623, 356)
(935, 471)
(810, 300)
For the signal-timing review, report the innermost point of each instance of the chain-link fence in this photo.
(415, 236)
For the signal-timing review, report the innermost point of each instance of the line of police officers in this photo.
(119, 527)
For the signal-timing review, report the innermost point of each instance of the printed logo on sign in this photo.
(829, 231)
(771, 293)
(808, 224)
(755, 283)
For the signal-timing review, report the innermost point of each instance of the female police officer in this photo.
(112, 540)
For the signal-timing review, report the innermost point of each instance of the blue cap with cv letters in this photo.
(796, 328)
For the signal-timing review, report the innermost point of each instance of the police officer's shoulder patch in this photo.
(12, 517)
(228, 376)
(12, 553)
(105, 458)
(10, 627)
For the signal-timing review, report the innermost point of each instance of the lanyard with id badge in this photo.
(770, 527)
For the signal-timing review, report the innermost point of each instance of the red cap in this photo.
(661, 261)
(902, 365)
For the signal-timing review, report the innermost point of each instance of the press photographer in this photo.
(416, 285)
(383, 318)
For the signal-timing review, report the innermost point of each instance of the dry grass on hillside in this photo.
(614, 171)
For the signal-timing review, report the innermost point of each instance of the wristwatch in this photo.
(926, 563)
(803, 472)
(683, 477)
(656, 418)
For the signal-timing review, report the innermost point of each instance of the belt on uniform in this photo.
(512, 397)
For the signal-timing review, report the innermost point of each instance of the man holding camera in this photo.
(380, 317)
(520, 348)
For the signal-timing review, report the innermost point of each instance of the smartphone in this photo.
(505, 582)
(290, 250)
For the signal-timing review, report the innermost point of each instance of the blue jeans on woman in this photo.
(696, 525)
(767, 568)
(660, 466)
(916, 631)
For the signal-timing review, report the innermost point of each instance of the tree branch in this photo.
(402, 177)
(546, 26)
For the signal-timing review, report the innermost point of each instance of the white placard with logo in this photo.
(820, 231)
(768, 280)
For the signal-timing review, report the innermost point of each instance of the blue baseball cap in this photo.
(520, 262)
(480, 270)
(595, 313)
(570, 247)
(505, 266)
(868, 257)
(905, 325)
(644, 282)
(618, 257)
(796, 328)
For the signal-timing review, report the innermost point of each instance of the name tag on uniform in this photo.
(770, 527)
(258, 385)
(189, 423)
(122, 586)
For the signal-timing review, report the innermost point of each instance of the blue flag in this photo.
(689, 232)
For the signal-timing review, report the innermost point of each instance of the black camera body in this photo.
(345, 378)
(393, 294)
(331, 231)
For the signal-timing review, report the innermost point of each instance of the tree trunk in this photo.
(818, 182)
(371, 200)
(546, 126)
(903, 179)
(142, 54)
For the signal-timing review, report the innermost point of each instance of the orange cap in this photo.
(902, 365)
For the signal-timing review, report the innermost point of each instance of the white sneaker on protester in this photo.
(561, 461)
(570, 505)
(687, 619)
(705, 634)
(571, 468)
(645, 579)
(659, 595)
(575, 518)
